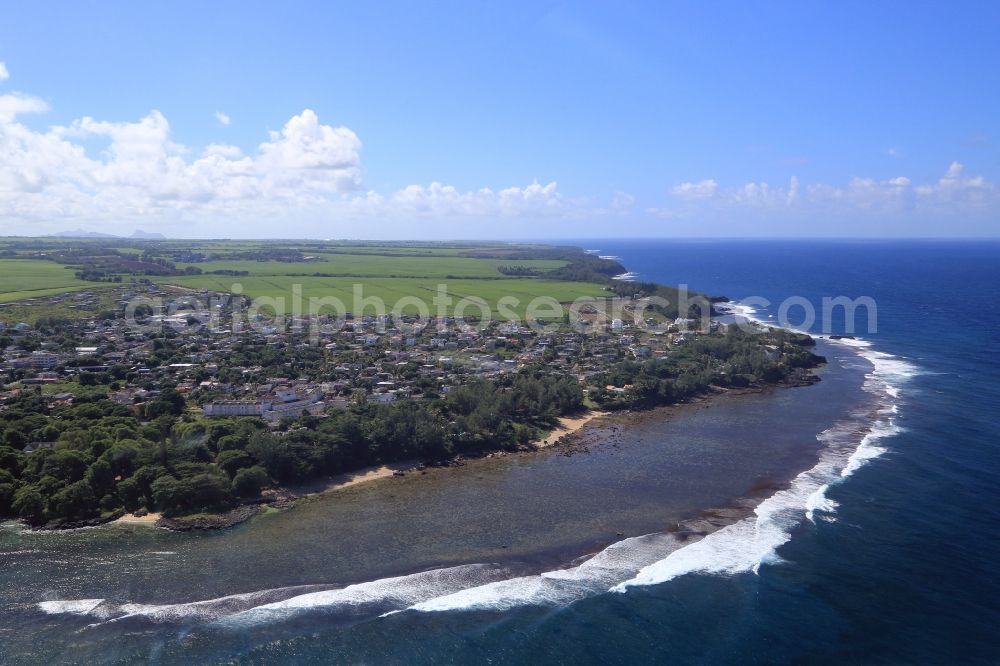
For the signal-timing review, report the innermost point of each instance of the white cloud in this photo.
(308, 154)
(439, 200)
(306, 178)
(954, 189)
(17, 104)
(703, 189)
(140, 175)
(4, 74)
(953, 194)
(622, 201)
(793, 190)
(222, 150)
(223, 119)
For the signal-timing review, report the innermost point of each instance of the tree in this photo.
(15, 439)
(130, 494)
(233, 461)
(170, 494)
(10, 459)
(100, 477)
(144, 478)
(174, 399)
(48, 433)
(67, 465)
(209, 490)
(30, 505)
(249, 482)
(123, 457)
(76, 501)
(199, 491)
(231, 443)
(7, 490)
(266, 448)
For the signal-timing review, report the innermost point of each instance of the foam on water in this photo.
(210, 609)
(71, 607)
(378, 596)
(370, 598)
(745, 545)
(652, 559)
(559, 587)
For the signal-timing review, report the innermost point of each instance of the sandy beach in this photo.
(364, 475)
(569, 425)
(132, 519)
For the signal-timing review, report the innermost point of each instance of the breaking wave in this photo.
(722, 548)
(746, 544)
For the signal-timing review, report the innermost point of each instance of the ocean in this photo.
(860, 515)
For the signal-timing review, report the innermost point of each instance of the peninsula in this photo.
(199, 380)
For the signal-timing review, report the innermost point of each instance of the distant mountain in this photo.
(149, 235)
(81, 233)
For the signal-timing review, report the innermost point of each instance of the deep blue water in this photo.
(905, 570)
(899, 567)
(908, 571)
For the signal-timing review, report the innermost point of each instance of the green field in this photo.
(62, 304)
(391, 290)
(386, 271)
(338, 247)
(29, 278)
(372, 265)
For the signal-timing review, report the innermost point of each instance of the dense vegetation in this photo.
(735, 359)
(578, 267)
(669, 302)
(105, 457)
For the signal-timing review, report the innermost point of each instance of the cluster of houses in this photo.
(338, 361)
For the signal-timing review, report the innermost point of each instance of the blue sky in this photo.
(476, 120)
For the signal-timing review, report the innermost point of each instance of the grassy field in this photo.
(372, 265)
(391, 290)
(340, 247)
(27, 278)
(387, 271)
(75, 388)
(62, 303)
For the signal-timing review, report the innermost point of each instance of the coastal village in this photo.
(199, 404)
(146, 392)
(284, 370)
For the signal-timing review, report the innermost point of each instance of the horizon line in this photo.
(111, 237)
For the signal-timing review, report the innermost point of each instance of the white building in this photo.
(235, 408)
(39, 360)
(285, 402)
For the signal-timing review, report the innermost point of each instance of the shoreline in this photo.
(568, 426)
(132, 519)
(722, 535)
(348, 479)
(565, 433)
(715, 523)
(569, 436)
